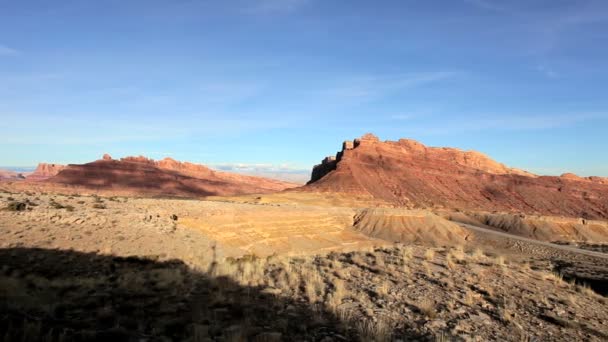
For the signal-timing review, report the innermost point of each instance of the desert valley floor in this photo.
(277, 267)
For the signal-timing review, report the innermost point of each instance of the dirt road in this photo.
(532, 241)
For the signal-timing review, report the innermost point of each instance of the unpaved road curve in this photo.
(537, 242)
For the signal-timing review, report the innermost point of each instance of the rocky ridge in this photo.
(166, 177)
(408, 173)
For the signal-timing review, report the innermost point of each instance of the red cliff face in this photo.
(408, 173)
(143, 176)
(44, 171)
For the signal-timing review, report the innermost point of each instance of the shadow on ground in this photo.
(55, 295)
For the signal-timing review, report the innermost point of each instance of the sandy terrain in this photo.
(290, 266)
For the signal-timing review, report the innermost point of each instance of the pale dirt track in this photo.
(533, 241)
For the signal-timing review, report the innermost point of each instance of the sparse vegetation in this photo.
(16, 206)
(387, 293)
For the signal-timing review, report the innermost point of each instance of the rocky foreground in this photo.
(396, 293)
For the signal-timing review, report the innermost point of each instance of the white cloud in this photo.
(6, 51)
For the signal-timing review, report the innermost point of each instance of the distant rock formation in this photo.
(11, 175)
(410, 174)
(45, 171)
(166, 177)
(594, 179)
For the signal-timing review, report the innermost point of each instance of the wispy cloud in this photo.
(488, 5)
(82, 130)
(516, 122)
(369, 88)
(547, 71)
(274, 6)
(7, 51)
(546, 26)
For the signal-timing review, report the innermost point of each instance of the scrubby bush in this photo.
(16, 206)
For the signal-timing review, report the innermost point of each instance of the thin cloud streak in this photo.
(507, 123)
(276, 6)
(7, 51)
(369, 88)
(82, 131)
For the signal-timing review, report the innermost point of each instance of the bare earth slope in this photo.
(167, 177)
(408, 173)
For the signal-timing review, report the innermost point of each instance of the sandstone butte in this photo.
(144, 176)
(408, 173)
(45, 170)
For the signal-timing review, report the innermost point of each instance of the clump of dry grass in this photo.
(379, 331)
(315, 286)
(338, 294)
(478, 254)
(499, 260)
(469, 298)
(428, 308)
(429, 254)
(449, 262)
(407, 253)
(586, 290)
(383, 288)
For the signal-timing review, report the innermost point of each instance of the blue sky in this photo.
(279, 84)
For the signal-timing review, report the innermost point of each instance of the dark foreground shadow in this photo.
(54, 295)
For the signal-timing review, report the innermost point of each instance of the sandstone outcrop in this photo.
(44, 171)
(408, 173)
(167, 177)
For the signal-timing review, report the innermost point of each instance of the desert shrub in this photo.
(99, 206)
(56, 205)
(16, 206)
(30, 203)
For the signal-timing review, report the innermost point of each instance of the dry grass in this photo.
(429, 254)
(378, 331)
(478, 254)
(449, 262)
(499, 260)
(469, 298)
(428, 308)
(383, 288)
